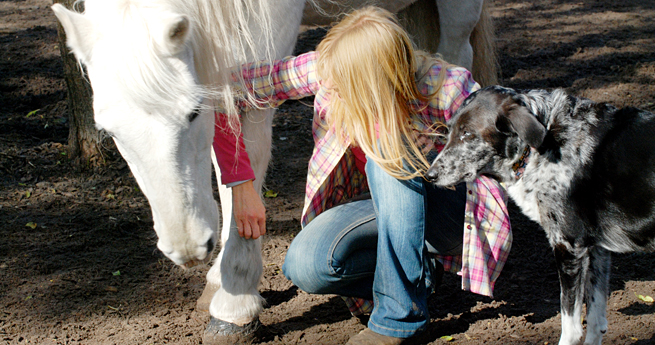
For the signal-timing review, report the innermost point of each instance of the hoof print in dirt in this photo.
(220, 332)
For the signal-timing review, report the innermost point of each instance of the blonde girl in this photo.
(374, 231)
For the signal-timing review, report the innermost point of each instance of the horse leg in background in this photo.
(457, 19)
(448, 33)
(233, 280)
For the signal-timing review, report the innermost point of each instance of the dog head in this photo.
(486, 134)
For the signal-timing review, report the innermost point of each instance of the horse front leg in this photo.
(572, 264)
(233, 281)
(597, 292)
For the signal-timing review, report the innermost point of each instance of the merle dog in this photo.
(584, 171)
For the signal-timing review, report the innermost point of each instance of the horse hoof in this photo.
(220, 332)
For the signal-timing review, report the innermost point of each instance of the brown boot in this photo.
(368, 337)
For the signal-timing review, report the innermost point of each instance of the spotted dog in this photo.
(584, 171)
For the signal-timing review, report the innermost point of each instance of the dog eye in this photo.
(465, 135)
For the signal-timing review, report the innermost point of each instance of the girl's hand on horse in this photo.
(249, 211)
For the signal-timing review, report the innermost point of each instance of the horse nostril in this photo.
(210, 245)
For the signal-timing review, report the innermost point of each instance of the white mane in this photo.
(223, 39)
(219, 37)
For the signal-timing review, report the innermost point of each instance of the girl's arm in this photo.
(236, 172)
(271, 83)
(230, 151)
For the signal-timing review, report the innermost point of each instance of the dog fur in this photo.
(589, 181)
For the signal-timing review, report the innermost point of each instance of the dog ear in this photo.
(526, 125)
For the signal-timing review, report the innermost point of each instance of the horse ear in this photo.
(176, 32)
(526, 125)
(80, 32)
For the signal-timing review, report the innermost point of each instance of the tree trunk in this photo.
(84, 140)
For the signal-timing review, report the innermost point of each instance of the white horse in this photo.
(153, 66)
(158, 68)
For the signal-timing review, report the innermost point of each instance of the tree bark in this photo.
(84, 140)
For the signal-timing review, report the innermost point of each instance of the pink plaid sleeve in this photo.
(271, 83)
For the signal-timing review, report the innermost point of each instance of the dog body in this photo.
(584, 171)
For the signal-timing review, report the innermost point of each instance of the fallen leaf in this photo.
(32, 113)
(270, 194)
(646, 299)
(446, 338)
(111, 289)
(31, 225)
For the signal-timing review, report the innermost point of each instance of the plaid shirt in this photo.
(333, 178)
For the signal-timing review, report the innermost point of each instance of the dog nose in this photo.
(431, 174)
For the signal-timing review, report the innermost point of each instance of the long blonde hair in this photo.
(372, 64)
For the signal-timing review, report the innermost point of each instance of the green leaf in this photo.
(447, 338)
(32, 113)
(117, 273)
(646, 299)
(270, 194)
(31, 225)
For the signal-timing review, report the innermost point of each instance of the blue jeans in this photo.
(378, 249)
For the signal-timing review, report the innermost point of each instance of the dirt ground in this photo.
(78, 262)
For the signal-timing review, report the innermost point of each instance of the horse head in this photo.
(140, 63)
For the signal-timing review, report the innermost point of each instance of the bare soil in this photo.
(77, 251)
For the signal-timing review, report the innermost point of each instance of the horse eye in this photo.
(194, 114)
